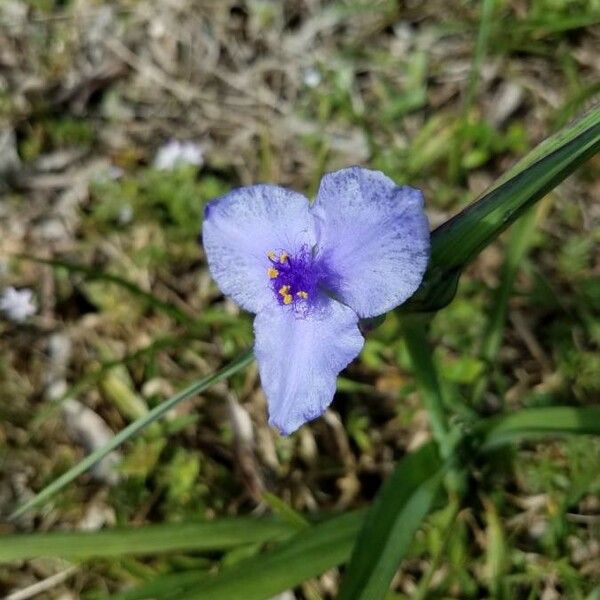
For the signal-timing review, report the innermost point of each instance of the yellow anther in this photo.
(302, 294)
(271, 255)
(272, 272)
(283, 291)
(287, 299)
(283, 257)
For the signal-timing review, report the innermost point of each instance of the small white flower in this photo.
(109, 173)
(113, 172)
(17, 304)
(312, 77)
(125, 215)
(175, 153)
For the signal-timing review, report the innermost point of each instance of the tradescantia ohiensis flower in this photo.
(311, 271)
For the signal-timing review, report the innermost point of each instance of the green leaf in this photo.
(132, 429)
(217, 535)
(421, 357)
(459, 240)
(306, 555)
(516, 249)
(285, 512)
(538, 422)
(388, 529)
(164, 586)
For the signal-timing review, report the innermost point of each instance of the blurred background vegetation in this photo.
(443, 95)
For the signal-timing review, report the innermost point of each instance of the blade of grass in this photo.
(422, 591)
(458, 241)
(80, 545)
(414, 329)
(307, 554)
(516, 249)
(537, 422)
(92, 274)
(164, 586)
(96, 375)
(132, 429)
(496, 548)
(403, 502)
(285, 512)
(481, 44)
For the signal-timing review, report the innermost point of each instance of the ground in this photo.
(127, 313)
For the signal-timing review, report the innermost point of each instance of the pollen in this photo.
(283, 257)
(284, 291)
(287, 299)
(302, 294)
(272, 272)
(271, 255)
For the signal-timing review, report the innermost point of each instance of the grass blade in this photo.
(132, 429)
(537, 422)
(481, 44)
(164, 586)
(306, 555)
(93, 377)
(415, 335)
(459, 240)
(92, 274)
(516, 249)
(390, 525)
(210, 536)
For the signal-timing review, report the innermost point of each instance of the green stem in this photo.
(516, 249)
(415, 334)
(423, 587)
(158, 411)
(485, 25)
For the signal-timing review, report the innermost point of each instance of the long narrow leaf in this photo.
(516, 249)
(96, 375)
(166, 586)
(536, 422)
(459, 240)
(217, 535)
(390, 525)
(132, 429)
(421, 356)
(306, 555)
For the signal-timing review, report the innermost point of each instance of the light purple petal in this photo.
(375, 236)
(299, 359)
(241, 227)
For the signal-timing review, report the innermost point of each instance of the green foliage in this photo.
(453, 528)
(174, 199)
(391, 523)
(305, 555)
(219, 535)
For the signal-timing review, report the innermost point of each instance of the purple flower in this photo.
(311, 271)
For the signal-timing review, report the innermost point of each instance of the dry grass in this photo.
(281, 91)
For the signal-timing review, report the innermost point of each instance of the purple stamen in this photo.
(299, 279)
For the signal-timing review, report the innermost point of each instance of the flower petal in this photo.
(299, 359)
(241, 227)
(375, 236)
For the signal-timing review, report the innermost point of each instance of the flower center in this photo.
(297, 278)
